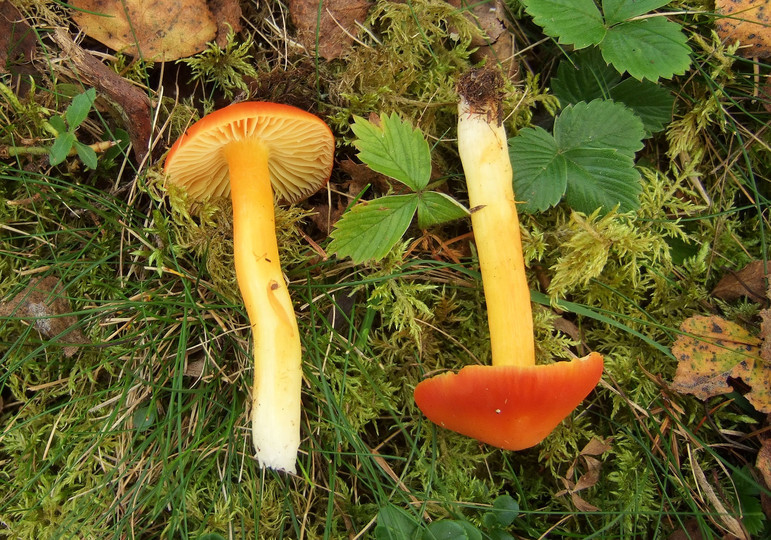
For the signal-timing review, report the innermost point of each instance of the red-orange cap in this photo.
(510, 407)
(301, 149)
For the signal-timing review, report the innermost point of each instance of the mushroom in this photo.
(513, 404)
(250, 150)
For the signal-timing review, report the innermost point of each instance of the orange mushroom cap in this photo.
(300, 148)
(511, 407)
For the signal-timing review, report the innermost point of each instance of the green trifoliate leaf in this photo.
(601, 179)
(586, 76)
(600, 124)
(435, 208)
(649, 48)
(652, 102)
(79, 108)
(589, 159)
(61, 147)
(86, 155)
(575, 22)
(540, 171)
(617, 11)
(394, 149)
(370, 229)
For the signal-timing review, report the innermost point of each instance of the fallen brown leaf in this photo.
(748, 22)
(596, 447)
(43, 302)
(227, 14)
(17, 40)
(582, 505)
(335, 29)
(763, 461)
(161, 30)
(691, 531)
(765, 335)
(712, 350)
(588, 478)
(749, 282)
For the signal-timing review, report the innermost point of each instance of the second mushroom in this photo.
(513, 404)
(252, 150)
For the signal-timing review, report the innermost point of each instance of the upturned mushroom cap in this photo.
(300, 148)
(510, 407)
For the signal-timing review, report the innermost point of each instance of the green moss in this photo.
(224, 67)
(419, 47)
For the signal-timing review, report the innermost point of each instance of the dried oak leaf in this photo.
(749, 281)
(710, 351)
(43, 302)
(162, 30)
(17, 40)
(335, 28)
(748, 22)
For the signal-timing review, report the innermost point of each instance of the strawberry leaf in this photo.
(589, 159)
(617, 11)
(574, 22)
(586, 76)
(370, 229)
(435, 208)
(649, 48)
(540, 170)
(394, 149)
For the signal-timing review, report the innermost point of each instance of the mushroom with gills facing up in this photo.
(513, 404)
(249, 150)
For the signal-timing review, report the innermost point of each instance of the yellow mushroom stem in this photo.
(484, 153)
(277, 349)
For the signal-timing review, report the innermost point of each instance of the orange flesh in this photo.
(277, 349)
(509, 407)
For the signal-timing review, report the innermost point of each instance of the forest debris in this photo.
(588, 478)
(746, 21)
(134, 104)
(495, 42)
(749, 282)
(17, 40)
(227, 14)
(336, 29)
(765, 335)
(711, 351)
(160, 31)
(44, 302)
(763, 461)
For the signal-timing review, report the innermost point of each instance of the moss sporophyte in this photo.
(250, 150)
(513, 404)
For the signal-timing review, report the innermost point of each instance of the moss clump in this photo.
(419, 48)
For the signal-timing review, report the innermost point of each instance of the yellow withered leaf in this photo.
(162, 30)
(711, 351)
(748, 22)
